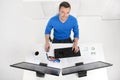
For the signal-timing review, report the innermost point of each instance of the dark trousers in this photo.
(62, 41)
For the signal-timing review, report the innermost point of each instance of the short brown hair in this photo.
(64, 4)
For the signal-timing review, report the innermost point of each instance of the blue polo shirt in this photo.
(62, 30)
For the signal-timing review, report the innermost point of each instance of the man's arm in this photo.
(47, 35)
(47, 38)
(76, 36)
(76, 41)
(47, 44)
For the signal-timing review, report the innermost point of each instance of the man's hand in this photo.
(47, 47)
(75, 48)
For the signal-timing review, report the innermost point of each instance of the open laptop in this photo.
(65, 52)
(85, 67)
(37, 68)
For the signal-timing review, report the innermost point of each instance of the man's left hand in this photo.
(75, 48)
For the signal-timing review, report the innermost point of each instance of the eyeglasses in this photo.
(51, 58)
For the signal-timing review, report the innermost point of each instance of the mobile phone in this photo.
(52, 58)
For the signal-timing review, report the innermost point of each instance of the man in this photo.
(62, 24)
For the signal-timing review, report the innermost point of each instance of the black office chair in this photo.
(50, 39)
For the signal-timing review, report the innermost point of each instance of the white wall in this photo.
(94, 29)
(19, 34)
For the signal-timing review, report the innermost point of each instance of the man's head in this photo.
(64, 10)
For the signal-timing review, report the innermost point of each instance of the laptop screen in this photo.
(37, 67)
(65, 52)
(85, 67)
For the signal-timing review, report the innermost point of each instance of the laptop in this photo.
(85, 67)
(65, 52)
(37, 68)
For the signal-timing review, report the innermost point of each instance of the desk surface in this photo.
(89, 53)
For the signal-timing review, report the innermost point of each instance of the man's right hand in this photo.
(47, 47)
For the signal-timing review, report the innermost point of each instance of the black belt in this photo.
(68, 40)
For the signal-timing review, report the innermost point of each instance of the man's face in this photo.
(64, 13)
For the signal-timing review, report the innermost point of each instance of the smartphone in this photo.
(52, 58)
